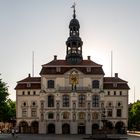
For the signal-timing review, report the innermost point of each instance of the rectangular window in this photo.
(28, 92)
(34, 92)
(82, 101)
(109, 113)
(65, 101)
(50, 83)
(95, 101)
(119, 112)
(33, 112)
(23, 93)
(108, 92)
(50, 101)
(24, 112)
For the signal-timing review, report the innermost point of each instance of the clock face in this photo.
(74, 78)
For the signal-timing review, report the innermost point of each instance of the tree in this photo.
(3, 97)
(134, 116)
(7, 106)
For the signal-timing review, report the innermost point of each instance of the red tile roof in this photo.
(24, 86)
(118, 86)
(31, 80)
(35, 83)
(113, 79)
(64, 62)
(115, 83)
(52, 70)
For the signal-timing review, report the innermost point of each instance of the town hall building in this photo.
(72, 96)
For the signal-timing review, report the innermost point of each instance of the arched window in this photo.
(50, 115)
(82, 115)
(95, 115)
(66, 115)
(50, 83)
(50, 101)
(95, 84)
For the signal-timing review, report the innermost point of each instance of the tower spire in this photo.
(74, 42)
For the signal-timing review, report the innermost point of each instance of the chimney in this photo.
(29, 75)
(116, 75)
(55, 57)
(88, 57)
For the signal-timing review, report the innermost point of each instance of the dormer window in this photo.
(115, 85)
(88, 69)
(58, 69)
(28, 84)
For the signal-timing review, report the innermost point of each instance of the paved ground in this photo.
(51, 137)
(41, 137)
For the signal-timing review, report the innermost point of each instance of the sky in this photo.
(41, 26)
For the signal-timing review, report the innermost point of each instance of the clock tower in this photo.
(74, 42)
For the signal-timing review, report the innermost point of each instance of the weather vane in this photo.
(73, 6)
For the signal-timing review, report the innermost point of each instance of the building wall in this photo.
(93, 115)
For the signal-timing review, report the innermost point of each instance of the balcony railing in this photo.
(78, 89)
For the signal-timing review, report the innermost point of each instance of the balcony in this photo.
(78, 89)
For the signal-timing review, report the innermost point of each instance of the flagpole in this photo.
(33, 64)
(111, 63)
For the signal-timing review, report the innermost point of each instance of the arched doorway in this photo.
(34, 127)
(65, 128)
(120, 127)
(23, 127)
(81, 128)
(95, 128)
(109, 125)
(51, 128)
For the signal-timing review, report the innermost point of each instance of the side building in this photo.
(72, 96)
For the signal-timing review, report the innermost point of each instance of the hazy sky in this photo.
(42, 26)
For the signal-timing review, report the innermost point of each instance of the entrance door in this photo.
(51, 129)
(81, 129)
(34, 127)
(66, 129)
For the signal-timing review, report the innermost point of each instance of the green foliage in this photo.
(3, 92)
(7, 106)
(134, 116)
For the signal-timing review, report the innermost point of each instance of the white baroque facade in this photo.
(72, 96)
